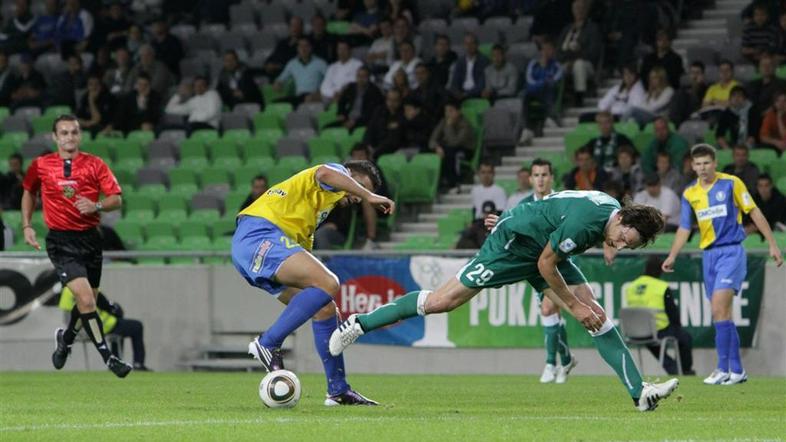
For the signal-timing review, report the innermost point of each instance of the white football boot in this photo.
(564, 371)
(652, 394)
(346, 333)
(717, 377)
(549, 374)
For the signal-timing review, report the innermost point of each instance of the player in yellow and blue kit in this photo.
(718, 201)
(271, 250)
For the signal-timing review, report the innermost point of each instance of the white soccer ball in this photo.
(280, 389)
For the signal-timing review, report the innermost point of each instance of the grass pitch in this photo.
(208, 406)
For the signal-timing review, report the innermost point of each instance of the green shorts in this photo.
(507, 258)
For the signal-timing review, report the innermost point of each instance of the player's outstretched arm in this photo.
(347, 184)
(764, 227)
(680, 239)
(28, 207)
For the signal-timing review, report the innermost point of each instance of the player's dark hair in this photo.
(653, 267)
(702, 150)
(583, 150)
(486, 162)
(727, 62)
(698, 64)
(738, 90)
(259, 177)
(648, 221)
(542, 162)
(762, 176)
(64, 117)
(367, 168)
(18, 156)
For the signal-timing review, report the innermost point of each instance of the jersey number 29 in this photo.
(482, 273)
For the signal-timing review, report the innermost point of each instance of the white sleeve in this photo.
(328, 87)
(175, 107)
(607, 101)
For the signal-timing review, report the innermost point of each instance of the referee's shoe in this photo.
(62, 350)
(118, 367)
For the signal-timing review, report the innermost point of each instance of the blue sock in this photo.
(334, 365)
(735, 362)
(303, 306)
(722, 344)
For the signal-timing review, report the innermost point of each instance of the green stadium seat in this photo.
(446, 242)
(357, 135)
(193, 153)
(17, 138)
(420, 178)
(764, 158)
(277, 175)
(155, 191)
(97, 148)
(723, 157)
(577, 138)
(778, 169)
(139, 215)
(256, 148)
(13, 220)
(204, 135)
(173, 216)
(271, 95)
(182, 175)
(509, 186)
(754, 241)
(642, 140)
(141, 136)
(663, 241)
(224, 226)
(131, 232)
(234, 200)
(138, 201)
(391, 166)
(184, 190)
(780, 239)
(43, 124)
(56, 111)
(264, 120)
(236, 135)
(156, 244)
(629, 128)
(124, 151)
(225, 153)
(241, 179)
(212, 176)
(172, 202)
(191, 228)
(325, 118)
(292, 164)
(205, 215)
(417, 242)
(781, 184)
(321, 146)
(338, 27)
(650, 127)
(159, 228)
(324, 159)
(222, 243)
(450, 226)
(4, 113)
(195, 243)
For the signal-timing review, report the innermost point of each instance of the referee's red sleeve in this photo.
(107, 180)
(32, 181)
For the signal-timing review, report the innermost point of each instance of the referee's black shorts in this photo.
(76, 254)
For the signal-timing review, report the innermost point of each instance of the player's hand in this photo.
(386, 205)
(490, 221)
(668, 265)
(30, 238)
(775, 253)
(609, 253)
(85, 206)
(589, 318)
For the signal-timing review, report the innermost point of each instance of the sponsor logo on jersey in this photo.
(322, 216)
(259, 255)
(711, 212)
(277, 192)
(746, 199)
(720, 195)
(69, 192)
(567, 245)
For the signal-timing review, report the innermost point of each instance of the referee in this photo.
(70, 183)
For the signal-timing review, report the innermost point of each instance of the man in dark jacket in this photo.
(236, 84)
(468, 78)
(139, 109)
(385, 131)
(358, 101)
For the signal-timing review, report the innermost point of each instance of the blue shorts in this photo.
(725, 267)
(259, 248)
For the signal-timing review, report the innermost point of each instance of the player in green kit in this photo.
(534, 242)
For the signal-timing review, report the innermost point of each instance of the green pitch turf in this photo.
(207, 406)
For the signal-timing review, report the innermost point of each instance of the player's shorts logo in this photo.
(259, 255)
(567, 245)
(720, 195)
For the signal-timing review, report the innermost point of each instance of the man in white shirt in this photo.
(340, 73)
(203, 108)
(407, 62)
(662, 198)
(487, 191)
(524, 190)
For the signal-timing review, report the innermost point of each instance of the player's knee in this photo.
(329, 283)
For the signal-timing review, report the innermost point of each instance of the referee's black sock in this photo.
(73, 327)
(94, 328)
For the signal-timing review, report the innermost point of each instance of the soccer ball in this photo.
(280, 389)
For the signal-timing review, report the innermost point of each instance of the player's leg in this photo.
(731, 274)
(727, 340)
(549, 317)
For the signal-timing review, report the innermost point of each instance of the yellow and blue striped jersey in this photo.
(718, 210)
(298, 205)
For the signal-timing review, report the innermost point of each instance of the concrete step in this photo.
(536, 147)
(548, 141)
(403, 236)
(721, 13)
(418, 227)
(576, 111)
(704, 33)
(730, 4)
(717, 23)
(682, 44)
(446, 208)
(558, 131)
(507, 171)
(517, 160)
(430, 217)
(459, 198)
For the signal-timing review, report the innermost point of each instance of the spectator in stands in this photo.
(96, 107)
(400, 8)
(402, 31)
(665, 57)
(780, 51)
(665, 141)
(688, 175)
(27, 86)
(401, 83)
(759, 37)
(549, 18)
(138, 109)
(365, 21)
(467, 78)
(67, 84)
(453, 139)
(430, 93)
(662, 198)
(501, 77)
(11, 183)
(111, 28)
(74, 27)
(168, 48)
(418, 125)
(627, 171)
(443, 59)
(135, 41)
(236, 83)
(17, 32)
(688, 99)
(771, 202)
(762, 90)
(406, 62)
(340, 73)
(579, 48)
(285, 50)
(717, 95)
(620, 25)
(669, 176)
(617, 99)
(586, 175)
(323, 43)
(200, 104)
(486, 191)
(523, 190)
(160, 77)
(43, 37)
(773, 127)
(386, 128)
(118, 79)
(741, 167)
(307, 71)
(737, 124)
(6, 80)
(358, 101)
(380, 55)
(543, 77)
(604, 147)
(259, 186)
(656, 101)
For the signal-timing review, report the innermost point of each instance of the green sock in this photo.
(402, 308)
(616, 354)
(562, 347)
(551, 338)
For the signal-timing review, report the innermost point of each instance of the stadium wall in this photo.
(184, 307)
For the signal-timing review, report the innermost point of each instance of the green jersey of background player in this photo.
(533, 242)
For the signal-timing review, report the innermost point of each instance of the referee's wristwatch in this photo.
(99, 206)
